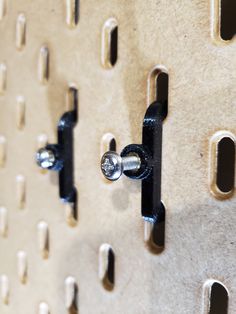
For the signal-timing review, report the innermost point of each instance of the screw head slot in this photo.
(45, 158)
(111, 166)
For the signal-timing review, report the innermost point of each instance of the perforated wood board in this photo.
(179, 36)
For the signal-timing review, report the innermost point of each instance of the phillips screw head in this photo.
(113, 165)
(45, 158)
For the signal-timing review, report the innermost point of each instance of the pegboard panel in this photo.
(102, 259)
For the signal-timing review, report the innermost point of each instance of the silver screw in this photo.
(45, 158)
(113, 165)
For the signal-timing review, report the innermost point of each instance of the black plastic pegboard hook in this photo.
(62, 154)
(150, 154)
